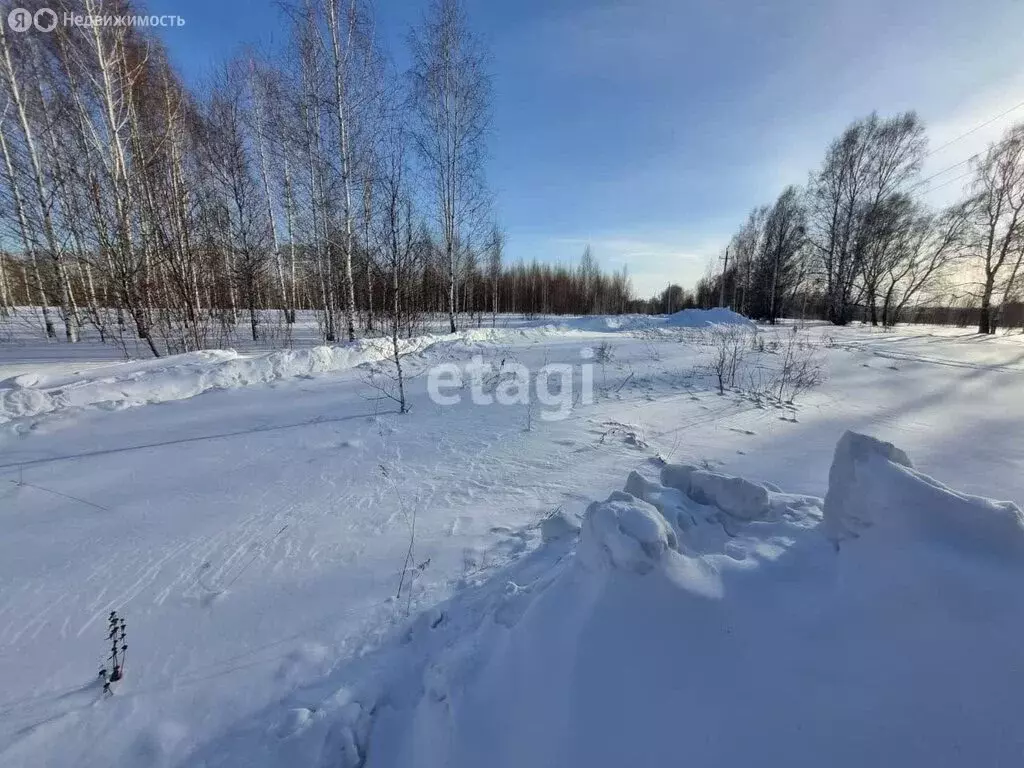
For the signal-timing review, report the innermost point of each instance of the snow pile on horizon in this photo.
(609, 323)
(703, 318)
(126, 385)
(710, 618)
(687, 318)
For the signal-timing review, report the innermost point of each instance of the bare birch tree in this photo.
(494, 254)
(996, 216)
(451, 97)
(872, 160)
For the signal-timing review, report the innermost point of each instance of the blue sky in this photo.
(649, 128)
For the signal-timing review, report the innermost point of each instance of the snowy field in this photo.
(249, 514)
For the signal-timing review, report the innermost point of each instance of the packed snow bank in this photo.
(703, 318)
(872, 484)
(709, 616)
(181, 376)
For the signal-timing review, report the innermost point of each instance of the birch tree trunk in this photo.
(265, 177)
(26, 240)
(44, 212)
(341, 62)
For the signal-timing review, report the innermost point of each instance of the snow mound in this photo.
(625, 532)
(703, 318)
(178, 377)
(872, 484)
(687, 318)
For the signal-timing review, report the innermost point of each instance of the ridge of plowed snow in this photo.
(177, 377)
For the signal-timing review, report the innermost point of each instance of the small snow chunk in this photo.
(625, 532)
(735, 496)
(670, 502)
(678, 476)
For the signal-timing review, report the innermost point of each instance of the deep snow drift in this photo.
(710, 619)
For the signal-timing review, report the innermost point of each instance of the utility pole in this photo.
(725, 271)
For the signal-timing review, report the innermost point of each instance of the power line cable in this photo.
(975, 128)
(944, 170)
(945, 183)
(948, 168)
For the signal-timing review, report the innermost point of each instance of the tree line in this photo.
(858, 242)
(317, 178)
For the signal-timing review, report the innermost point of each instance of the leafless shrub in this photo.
(759, 383)
(604, 352)
(737, 361)
(801, 368)
(729, 348)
